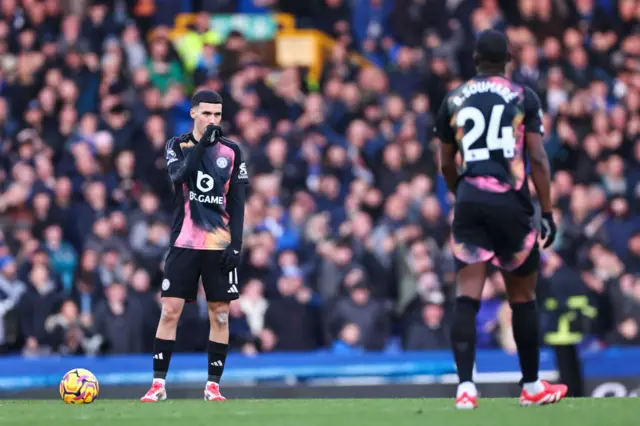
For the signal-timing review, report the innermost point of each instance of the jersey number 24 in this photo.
(506, 142)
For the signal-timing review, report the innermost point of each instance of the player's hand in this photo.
(211, 134)
(548, 229)
(230, 259)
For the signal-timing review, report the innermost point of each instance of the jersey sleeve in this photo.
(179, 166)
(172, 152)
(443, 130)
(176, 161)
(236, 197)
(532, 112)
(240, 175)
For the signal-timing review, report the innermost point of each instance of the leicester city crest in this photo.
(222, 162)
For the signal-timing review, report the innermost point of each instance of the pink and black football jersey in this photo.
(201, 218)
(487, 118)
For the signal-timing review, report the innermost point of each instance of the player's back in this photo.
(486, 118)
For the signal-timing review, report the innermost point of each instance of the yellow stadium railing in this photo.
(294, 47)
(184, 20)
(311, 48)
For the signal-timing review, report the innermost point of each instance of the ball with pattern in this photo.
(79, 386)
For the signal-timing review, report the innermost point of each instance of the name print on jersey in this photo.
(478, 87)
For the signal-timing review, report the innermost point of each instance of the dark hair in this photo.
(492, 49)
(206, 96)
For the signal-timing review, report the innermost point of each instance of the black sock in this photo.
(217, 358)
(463, 336)
(162, 350)
(526, 334)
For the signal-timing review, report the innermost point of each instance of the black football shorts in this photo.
(505, 236)
(184, 268)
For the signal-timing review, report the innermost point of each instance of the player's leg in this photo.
(220, 288)
(166, 335)
(217, 348)
(472, 248)
(521, 289)
(180, 284)
(471, 280)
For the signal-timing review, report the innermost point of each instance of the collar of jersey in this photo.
(493, 74)
(192, 138)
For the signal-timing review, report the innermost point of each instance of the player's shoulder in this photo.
(452, 93)
(530, 96)
(231, 144)
(174, 142)
(239, 160)
(526, 92)
(456, 97)
(447, 104)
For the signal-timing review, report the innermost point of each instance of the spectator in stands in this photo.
(632, 259)
(39, 301)
(333, 18)
(254, 305)
(371, 20)
(431, 332)
(292, 322)
(367, 314)
(63, 256)
(193, 45)
(241, 337)
(487, 321)
(68, 335)
(349, 341)
(625, 294)
(147, 300)
(119, 320)
(163, 70)
(11, 290)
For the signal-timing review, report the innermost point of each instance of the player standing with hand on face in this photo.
(497, 127)
(210, 177)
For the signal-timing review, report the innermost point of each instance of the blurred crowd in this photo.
(347, 222)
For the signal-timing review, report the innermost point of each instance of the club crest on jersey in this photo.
(222, 162)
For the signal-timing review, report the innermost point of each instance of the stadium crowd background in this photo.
(347, 222)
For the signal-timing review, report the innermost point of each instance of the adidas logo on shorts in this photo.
(217, 364)
(233, 289)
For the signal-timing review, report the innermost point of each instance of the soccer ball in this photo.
(79, 386)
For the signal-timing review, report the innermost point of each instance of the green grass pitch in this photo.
(331, 412)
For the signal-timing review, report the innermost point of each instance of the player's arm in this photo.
(534, 130)
(235, 208)
(179, 166)
(448, 147)
(236, 197)
(448, 165)
(540, 170)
